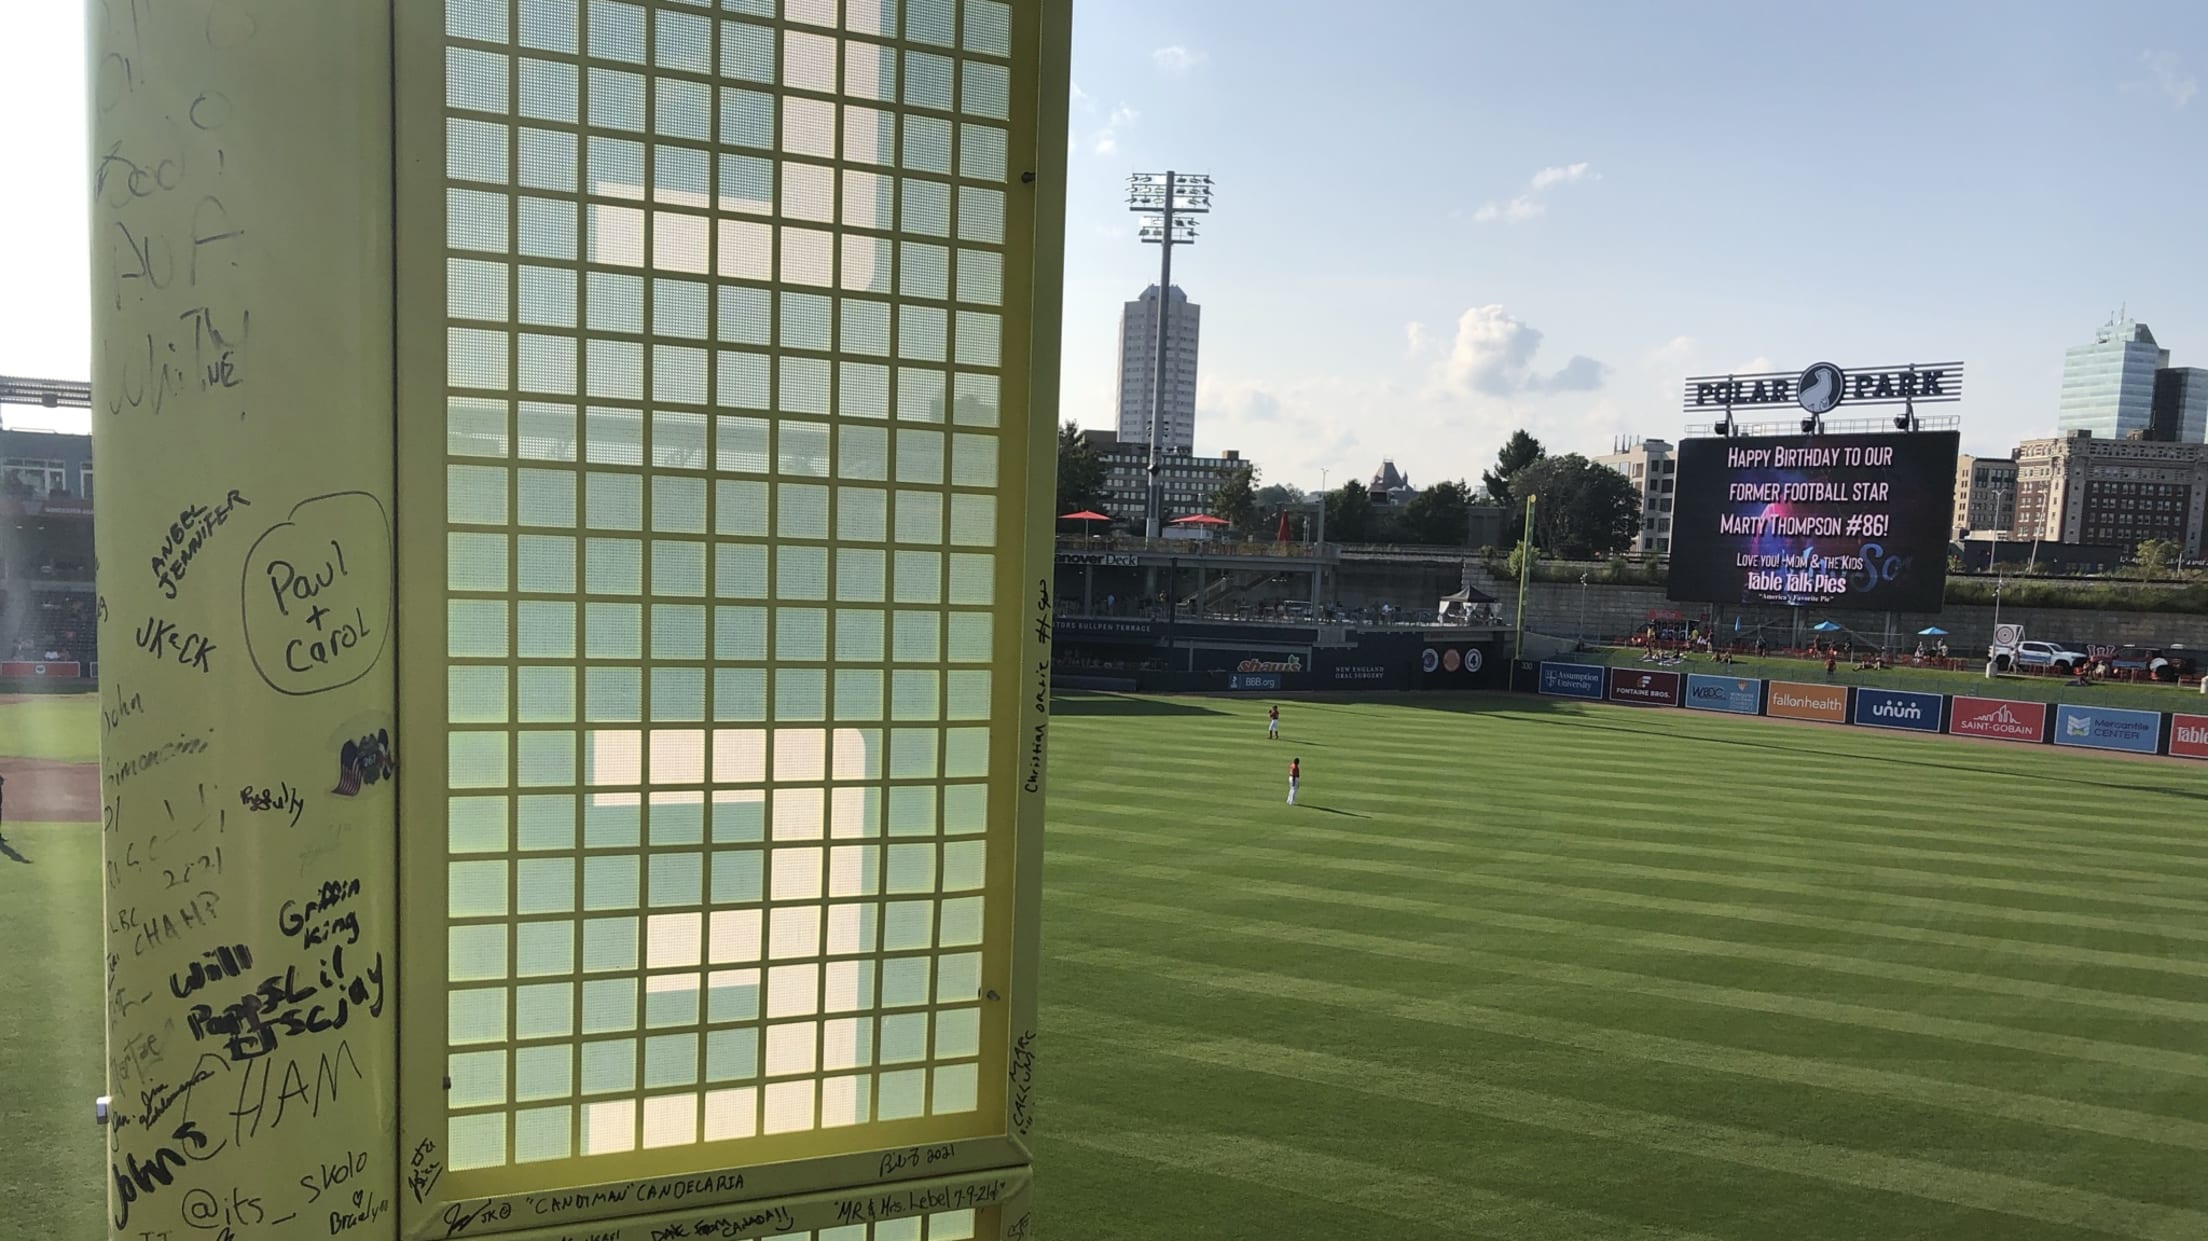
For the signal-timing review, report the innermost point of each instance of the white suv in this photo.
(2034, 654)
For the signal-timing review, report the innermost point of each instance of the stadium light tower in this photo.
(1168, 203)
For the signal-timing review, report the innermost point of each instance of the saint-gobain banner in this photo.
(1644, 689)
(1572, 680)
(1894, 708)
(1997, 717)
(2189, 736)
(1715, 693)
(2108, 728)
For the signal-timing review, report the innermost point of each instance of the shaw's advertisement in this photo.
(1793, 700)
(2189, 736)
(1572, 680)
(2108, 728)
(1716, 693)
(1998, 717)
(1894, 708)
(1644, 689)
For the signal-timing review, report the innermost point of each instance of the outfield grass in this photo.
(65, 727)
(2022, 687)
(1524, 969)
(52, 1035)
(1530, 969)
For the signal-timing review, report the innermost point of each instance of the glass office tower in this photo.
(2108, 386)
(2181, 404)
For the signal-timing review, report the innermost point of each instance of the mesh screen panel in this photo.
(722, 452)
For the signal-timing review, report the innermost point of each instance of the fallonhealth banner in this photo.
(2108, 728)
(2000, 718)
(1793, 700)
(1715, 693)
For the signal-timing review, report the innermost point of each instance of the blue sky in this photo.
(1439, 221)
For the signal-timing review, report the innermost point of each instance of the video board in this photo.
(1837, 521)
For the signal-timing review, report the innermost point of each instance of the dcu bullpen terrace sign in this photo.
(1822, 387)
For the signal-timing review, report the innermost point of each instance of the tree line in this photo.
(1585, 509)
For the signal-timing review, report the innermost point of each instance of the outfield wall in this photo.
(2178, 734)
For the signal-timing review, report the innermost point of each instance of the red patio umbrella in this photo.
(1281, 535)
(1200, 519)
(1084, 517)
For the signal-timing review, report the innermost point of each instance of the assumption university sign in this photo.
(1822, 387)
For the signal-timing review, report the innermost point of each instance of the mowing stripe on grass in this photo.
(1723, 911)
(1594, 870)
(2131, 1005)
(1685, 1053)
(1438, 1086)
(1455, 1208)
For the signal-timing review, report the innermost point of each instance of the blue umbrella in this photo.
(1932, 631)
(1825, 626)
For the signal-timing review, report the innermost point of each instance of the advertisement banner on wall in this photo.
(2108, 728)
(1572, 680)
(1895, 708)
(1998, 717)
(1644, 689)
(1714, 693)
(39, 668)
(1244, 659)
(1794, 700)
(2189, 736)
(1253, 680)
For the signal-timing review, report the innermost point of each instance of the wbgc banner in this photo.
(1738, 695)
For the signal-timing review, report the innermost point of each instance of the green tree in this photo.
(1349, 517)
(1583, 509)
(1437, 515)
(1236, 500)
(1080, 472)
(2159, 557)
(1517, 558)
(1517, 452)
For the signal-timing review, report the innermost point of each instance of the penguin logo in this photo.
(1821, 387)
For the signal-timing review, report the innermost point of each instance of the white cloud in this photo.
(1528, 205)
(1106, 141)
(1523, 207)
(1492, 355)
(1560, 173)
(1177, 59)
(1082, 99)
(1416, 339)
(2165, 77)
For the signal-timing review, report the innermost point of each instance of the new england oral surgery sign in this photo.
(1823, 387)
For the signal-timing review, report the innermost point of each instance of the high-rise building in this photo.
(2108, 386)
(1138, 348)
(1985, 494)
(2181, 404)
(1654, 473)
(2080, 488)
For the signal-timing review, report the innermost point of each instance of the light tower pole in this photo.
(1168, 203)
